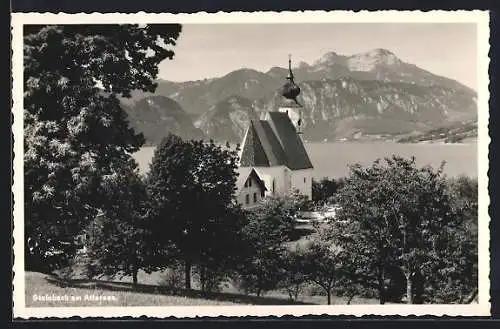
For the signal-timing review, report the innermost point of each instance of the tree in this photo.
(293, 275)
(321, 265)
(75, 131)
(119, 241)
(464, 191)
(460, 286)
(396, 218)
(267, 229)
(220, 258)
(191, 185)
(325, 189)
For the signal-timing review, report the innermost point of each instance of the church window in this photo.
(249, 182)
(247, 199)
(262, 193)
(254, 197)
(304, 180)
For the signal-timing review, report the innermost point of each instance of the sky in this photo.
(213, 50)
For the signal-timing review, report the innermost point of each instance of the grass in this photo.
(77, 294)
(83, 292)
(73, 288)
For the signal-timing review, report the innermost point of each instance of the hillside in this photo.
(455, 133)
(156, 116)
(372, 95)
(228, 119)
(104, 293)
(350, 109)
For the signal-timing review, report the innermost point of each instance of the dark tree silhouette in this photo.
(76, 132)
(191, 185)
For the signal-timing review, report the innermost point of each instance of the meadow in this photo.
(332, 159)
(150, 292)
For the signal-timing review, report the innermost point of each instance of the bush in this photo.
(210, 280)
(173, 278)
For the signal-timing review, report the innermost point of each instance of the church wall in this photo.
(268, 174)
(302, 181)
(286, 180)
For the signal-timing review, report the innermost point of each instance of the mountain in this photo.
(196, 97)
(347, 108)
(227, 120)
(156, 116)
(377, 64)
(368, 95)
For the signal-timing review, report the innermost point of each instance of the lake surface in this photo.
(332, 159)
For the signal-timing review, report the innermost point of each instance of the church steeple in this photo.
(290, 90)
(290, 73)
(290, 104)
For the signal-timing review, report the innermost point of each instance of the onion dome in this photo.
(290, 90)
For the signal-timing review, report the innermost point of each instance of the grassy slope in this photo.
(41, 284)
(152, 294)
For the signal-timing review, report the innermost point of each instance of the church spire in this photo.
(290, 89)
(289, 104)
(290, 73)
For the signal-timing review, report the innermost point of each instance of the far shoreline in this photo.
(332, 159)
(467, 141)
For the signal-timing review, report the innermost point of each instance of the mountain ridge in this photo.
(345, 97)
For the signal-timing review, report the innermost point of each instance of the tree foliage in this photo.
(267, 229)
(293, 275)
(321, 266)
(324, 191)
(397, 219)
(75, 132)
(191, 186)
(119, 241)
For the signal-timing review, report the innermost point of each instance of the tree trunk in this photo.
(409, 288)
(187, 274)
(329, 297)
(202, 278)
(381, 291)
(258, 292)
(134, 276)
(297, 288)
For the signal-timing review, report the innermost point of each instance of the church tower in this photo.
(274, 150)
(289, 103)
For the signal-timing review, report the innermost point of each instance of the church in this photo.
(272, 153)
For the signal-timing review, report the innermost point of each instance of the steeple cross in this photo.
(290, 73)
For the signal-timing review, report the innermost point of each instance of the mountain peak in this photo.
(303, 64)
(328, 58)
(372, 59)
(381, 52)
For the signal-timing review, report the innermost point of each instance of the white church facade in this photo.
(273, 148)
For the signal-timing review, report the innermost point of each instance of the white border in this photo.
(481, 18)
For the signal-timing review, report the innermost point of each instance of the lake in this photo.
(332, 159)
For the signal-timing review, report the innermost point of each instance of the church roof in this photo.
(244, 173)
(295, 151)
(274, 142)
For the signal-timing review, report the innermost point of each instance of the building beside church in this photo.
(251, 188)
(274, 150)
